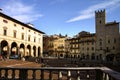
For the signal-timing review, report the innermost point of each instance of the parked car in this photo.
(14, 57)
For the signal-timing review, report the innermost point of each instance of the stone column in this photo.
(0, 49)
(9, 51)
(37, 52)
(32, 53)
(18, 51)
(25, 51)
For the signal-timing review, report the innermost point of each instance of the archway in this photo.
(28, 52)
(75, 56)
(14, 50)
(39, 52)
(110, 57)
(4, 48)
(22, 50)
(34, 51)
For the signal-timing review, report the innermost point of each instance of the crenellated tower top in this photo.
(100, 17)
(100, 13)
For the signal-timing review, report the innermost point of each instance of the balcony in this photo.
(62, 73)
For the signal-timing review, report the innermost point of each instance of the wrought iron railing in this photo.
(58, 73)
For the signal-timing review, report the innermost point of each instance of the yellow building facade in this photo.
(56, 45)
(19, 39)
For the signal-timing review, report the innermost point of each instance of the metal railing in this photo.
(58, 73)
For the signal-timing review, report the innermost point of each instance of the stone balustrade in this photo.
(58, 73)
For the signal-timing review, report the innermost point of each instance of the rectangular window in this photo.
(34, 39)
(87, 43)
(14, 34)
(92, 48)
(107, 49)
(22, 36)
(100, 43)
(29, 38)
(82, 48)
(114, 40)
(87, 49)
(92, 43)
(5, 32)
(109, 41)
(113, 48)
(83, 44)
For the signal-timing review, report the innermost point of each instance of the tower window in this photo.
(113, 48)
(100, 43)
(100, 21)
(114, 40)
(108, 41)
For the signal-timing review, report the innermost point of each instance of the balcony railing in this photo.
(58, 73)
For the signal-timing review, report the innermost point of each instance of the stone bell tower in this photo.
(100, 21)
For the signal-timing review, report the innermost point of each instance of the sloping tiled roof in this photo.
(14, 20)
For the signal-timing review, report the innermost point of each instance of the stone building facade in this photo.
(82, 46)
(103, 45)
(107, 37)
(56, 45)
(18, 39)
